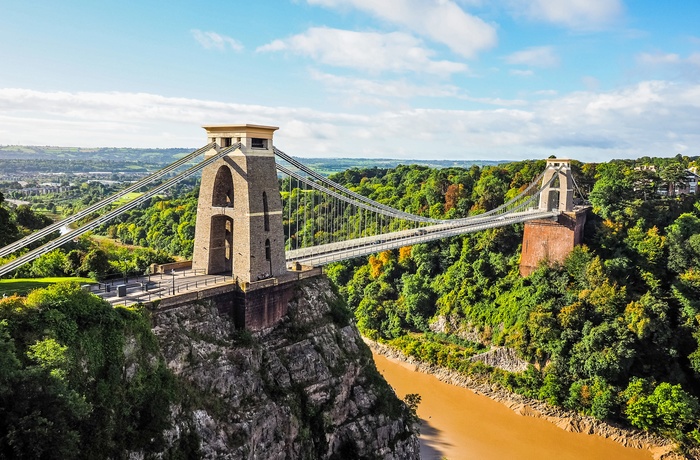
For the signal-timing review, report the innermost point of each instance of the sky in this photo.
(410, 79)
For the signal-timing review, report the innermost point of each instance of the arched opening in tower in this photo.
(221, 245)
(223, 188)
(553, 195)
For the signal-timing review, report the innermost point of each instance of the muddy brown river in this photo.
(459, 425)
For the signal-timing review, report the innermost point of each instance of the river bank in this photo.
(641, 445)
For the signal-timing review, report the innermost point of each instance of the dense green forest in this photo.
(613, 332)
(64, 391)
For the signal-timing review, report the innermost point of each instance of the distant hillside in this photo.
(84, 158)
(22, 152)
(329, 166)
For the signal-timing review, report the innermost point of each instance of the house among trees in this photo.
(683, 184)
(672, 180)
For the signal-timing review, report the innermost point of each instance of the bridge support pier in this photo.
(262, 308)
(254, 306)
(551, 240)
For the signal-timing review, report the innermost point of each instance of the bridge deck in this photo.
(334, 252)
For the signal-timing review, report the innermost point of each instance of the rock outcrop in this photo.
(502, 358)
(307, 388)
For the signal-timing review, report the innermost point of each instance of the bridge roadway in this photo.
(334, 252)
(149, 288)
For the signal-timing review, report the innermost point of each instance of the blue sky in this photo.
(454, 79)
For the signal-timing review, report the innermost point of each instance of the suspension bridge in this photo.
(262, 213)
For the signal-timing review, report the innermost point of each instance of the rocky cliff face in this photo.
(306, 389)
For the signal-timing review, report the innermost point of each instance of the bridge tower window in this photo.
(258, 143)
(226, 142)
(266, 213)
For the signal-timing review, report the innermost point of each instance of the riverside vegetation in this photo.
(613, 332)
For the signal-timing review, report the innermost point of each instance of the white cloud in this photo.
(497, 101)
(590, 83)
(385, 93)
(401, 89)
(658, 58)
(575, 14)
(536, 56)
(440, 20)
(661, 59)
(368, 51)
(522, 73)
(587, 125)
(670, 64)
(212, 40)
(694, 40)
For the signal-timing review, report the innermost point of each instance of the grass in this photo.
(22, 286)
(103, 240)
(128, 197)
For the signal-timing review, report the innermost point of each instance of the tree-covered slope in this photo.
(78, 378)
(613, 332)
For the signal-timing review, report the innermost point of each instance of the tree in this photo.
(27, 218)
(52, 263)
(675, 177)
(74, 260)
(648, 245)
(452, 196)
(611, 190)
(96, 263)
(418, 300)
(639, 410)
(594, 397)
(8, 230)
(667, 407)
(604, 350)
(645, 182)
(489, 190)
(684, 243)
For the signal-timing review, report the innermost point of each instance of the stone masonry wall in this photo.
(552, 241)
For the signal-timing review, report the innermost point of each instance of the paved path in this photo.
(148, 288)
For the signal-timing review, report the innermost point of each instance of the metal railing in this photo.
(149, 288)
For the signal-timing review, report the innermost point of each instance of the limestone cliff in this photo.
(305, 389)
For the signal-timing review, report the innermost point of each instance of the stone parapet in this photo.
(166, 268)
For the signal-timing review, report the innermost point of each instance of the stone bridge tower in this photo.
(560, 193)
(239, 214)
(553, 240)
